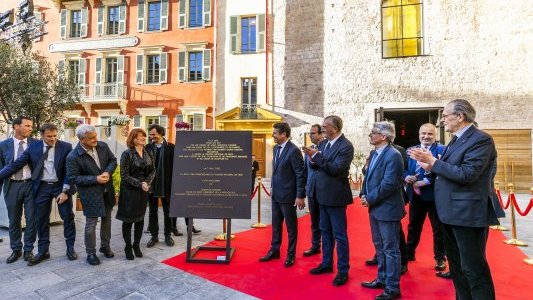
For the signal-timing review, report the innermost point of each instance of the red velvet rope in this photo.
(520, 212)
(255, 191)
(504, 206)
(264, 189)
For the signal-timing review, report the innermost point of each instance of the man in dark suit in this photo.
(90, 167)
(163, 154)
(463, 197)
(331, 163)
(382, 194)
(255, 169)
(316, 136)
(17, 190)
(420, 191)
(287, 190)
(47, 160)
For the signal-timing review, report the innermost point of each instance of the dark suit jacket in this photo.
(7, 152)
(500, 213)
(168, 160)
(288, 176)
(310, 174)
(332, 187)
(31, 157)
(427, 192)
(383, 186)
(82, 171)
(463, 184)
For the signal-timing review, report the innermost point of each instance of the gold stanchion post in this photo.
(223, 236)
(498, 227)
(259, 224)
(514, 240)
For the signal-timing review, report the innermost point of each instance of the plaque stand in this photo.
(192, 252)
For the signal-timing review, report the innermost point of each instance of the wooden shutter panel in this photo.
(261, 33)
(198, 122)
(182, 69)
(207, 13)
(98, 76)
(163, 58)
(84, 21)
(233, 33)
(61, 67)
(164, 14)
(100, 20)
(137, 121)
(38, 18)
(179, 118)
(140, 16)
(139, 76)
(163, 121)
(82, 72)
(206, 72)
(63, 24)
(122, 16)
(120, 69)
(182, 23)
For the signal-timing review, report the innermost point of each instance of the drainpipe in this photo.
(215, 52)
(266, 51)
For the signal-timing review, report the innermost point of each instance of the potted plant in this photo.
(120, 120)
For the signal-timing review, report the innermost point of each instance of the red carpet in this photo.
(271, 280)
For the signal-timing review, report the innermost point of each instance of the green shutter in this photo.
(139, 76)
(137, 121)
(163, 58)
(233, 33)
(163, 121)
(198, 122)
(100, 20)
(179, 118)
(61, 67)
(182, 22)
(164, 14)
(206, 71)
(182, 63)
(140, 16)
(63, 24)
(207, 13)
(98, 76)
(84, 21)
(122, 13)
(120, 69)
(261, 33)
(82, 71)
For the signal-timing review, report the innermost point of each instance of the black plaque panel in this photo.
(212, 175)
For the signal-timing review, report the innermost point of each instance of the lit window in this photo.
(402, 28)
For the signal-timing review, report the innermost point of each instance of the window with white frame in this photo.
(194, 13)
(148, 116)
(109, 74)
(247, 34)
(194, 64)
(111, 17)
(194, 115)
(152, 15)
(73, 20)
(75, 67)
(151, 66)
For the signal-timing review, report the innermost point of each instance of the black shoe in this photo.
(374, 284)
(28, 255)
(137, 250)
(107, 252)
(39, 258)
(175, 232)
(93, 260)
(440, 265)
(129, 253)
(371, 262)
(312, 251)
(195, 231)
(270, 256)
(388, 295)
(152, 242)
(321, 269)
(14, 256)
(72, 255)
(403, 269)
(169, 241)
(340, 279)
(289, 261)
(445, 275)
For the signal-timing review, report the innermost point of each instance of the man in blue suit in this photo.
(288, 192)
(331, 163)
(420, 192)
(17, 190)
(49, 182)
(316, 136)
(382, 194)
(464, 199)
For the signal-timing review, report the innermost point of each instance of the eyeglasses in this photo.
(444, 116)
(374, 133)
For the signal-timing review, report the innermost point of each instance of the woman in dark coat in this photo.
(137, 172)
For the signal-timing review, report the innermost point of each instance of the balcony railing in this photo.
(249, 111)
(105, 91)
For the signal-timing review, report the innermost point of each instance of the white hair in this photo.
(83, 129)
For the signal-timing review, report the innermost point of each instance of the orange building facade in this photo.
(149, 59)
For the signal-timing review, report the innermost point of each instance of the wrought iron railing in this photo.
(249, 111)
(103, 91)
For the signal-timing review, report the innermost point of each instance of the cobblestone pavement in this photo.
(147, 277)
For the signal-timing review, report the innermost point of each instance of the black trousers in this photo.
(314, 210)
(153, 215)
(137, 233)
(418, 210)
(465, 248)
(287, 212)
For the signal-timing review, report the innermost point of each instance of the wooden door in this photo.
(258, 149)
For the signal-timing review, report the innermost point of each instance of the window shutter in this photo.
(182, 62)
(120, 69)
(139, 76)
(206, 74)
(261, 33)
(207, 13)
(84, 21)
(163, 57)
(182, 14)
(82, 72)
(137, 121)
(179, 118)
(198, 122)
(63, 24)
(163, 121)
(61, 67)
(100, 20)
(38, 18)
(98, 76)
(233, 33)
(140, 16)
(164, 14)
(122, 16)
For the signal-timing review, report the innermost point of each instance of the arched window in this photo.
(401, 28)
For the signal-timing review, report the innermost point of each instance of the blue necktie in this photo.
(372, 161)
(328, 147)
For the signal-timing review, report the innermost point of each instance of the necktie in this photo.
(38, 171)
(372, 161)
(278, 154)
(20, 150)
(328, 146)
(450, 144)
